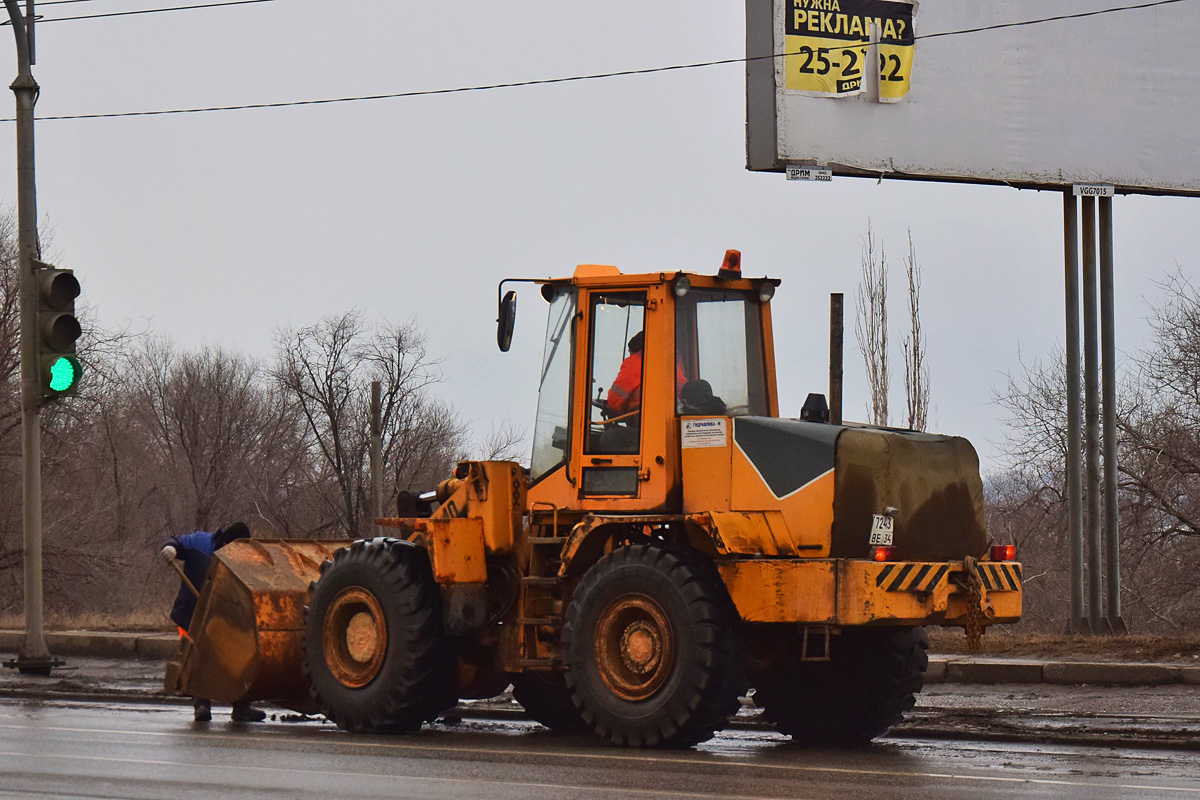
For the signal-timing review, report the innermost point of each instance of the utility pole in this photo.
(33, 658)
(376, 461)
(836, 337)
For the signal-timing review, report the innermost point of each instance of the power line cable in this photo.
(133, 12)
(149, 10)
(62, 2)
(569, 79)
(1079, 15)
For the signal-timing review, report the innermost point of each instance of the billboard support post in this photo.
(1076, 623)
(1091, 413)
(1108, 348)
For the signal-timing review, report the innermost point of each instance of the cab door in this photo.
(612, 425)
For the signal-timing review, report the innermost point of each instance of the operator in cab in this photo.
(625, 394)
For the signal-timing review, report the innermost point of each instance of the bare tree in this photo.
(1160, 457)
(325, 371)
(227, 443)
(871, 326)
(10, 330)
(504, 442)
(916, 371)
(1158, 426)
(65, 511)
(1028, 509)
(11, 541)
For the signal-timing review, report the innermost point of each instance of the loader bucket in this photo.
(246, 640)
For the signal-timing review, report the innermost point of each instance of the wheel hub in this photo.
(354, 637)
(634, 646)
(362, 637)
(640, 648)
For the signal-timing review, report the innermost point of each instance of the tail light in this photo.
(884, 553)
(1004, 552)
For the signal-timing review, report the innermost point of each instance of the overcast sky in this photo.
(223, 227)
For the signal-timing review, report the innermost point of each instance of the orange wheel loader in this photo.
(673, 544)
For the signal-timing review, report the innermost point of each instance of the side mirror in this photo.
(505, 321)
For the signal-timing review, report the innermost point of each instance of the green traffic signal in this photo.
(64, 374)
(57, 331)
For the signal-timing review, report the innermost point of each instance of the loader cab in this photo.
(625, 358)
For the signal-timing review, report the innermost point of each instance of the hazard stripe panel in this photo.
(1000, 577)
(918, 577)
(911, 577)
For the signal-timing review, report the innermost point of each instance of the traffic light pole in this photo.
(34, 657)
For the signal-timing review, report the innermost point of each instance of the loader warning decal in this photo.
(704, 432)
(827, 46)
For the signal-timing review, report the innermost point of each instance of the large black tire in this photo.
(652, 648)
(376, 651)
(547, 700)
(871, 679)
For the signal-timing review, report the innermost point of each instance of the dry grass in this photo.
(1004, 641)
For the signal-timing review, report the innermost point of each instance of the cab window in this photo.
(718, 345)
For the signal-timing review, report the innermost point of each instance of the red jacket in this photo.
(625, 394)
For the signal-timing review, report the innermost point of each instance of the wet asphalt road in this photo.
(58, 749)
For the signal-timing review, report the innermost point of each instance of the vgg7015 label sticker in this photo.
(827, 46)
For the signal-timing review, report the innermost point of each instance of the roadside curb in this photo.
(92, 644)
(955, 669)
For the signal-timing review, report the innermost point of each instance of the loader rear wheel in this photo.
(547, 700)
(652, 649)
(871, 679)
(376, 651)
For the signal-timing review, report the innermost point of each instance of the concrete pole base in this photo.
(35, 666)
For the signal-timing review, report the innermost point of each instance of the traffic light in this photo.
(57, 330)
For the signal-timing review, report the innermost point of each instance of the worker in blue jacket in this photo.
(195, 550)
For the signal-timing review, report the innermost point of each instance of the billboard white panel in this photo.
(996, 92)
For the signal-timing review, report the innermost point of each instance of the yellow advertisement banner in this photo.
(827, 46)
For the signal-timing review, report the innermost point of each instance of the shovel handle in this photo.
(183, 576)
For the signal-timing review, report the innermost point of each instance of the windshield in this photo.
(550, 431)
(718, 343)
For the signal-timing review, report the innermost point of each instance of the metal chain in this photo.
(974, 624)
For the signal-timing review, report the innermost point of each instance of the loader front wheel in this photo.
(871, 679)
(652, 649)
(376, 651)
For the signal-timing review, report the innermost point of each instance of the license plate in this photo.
(881, 530)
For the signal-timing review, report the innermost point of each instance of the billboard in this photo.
(1026, 93)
